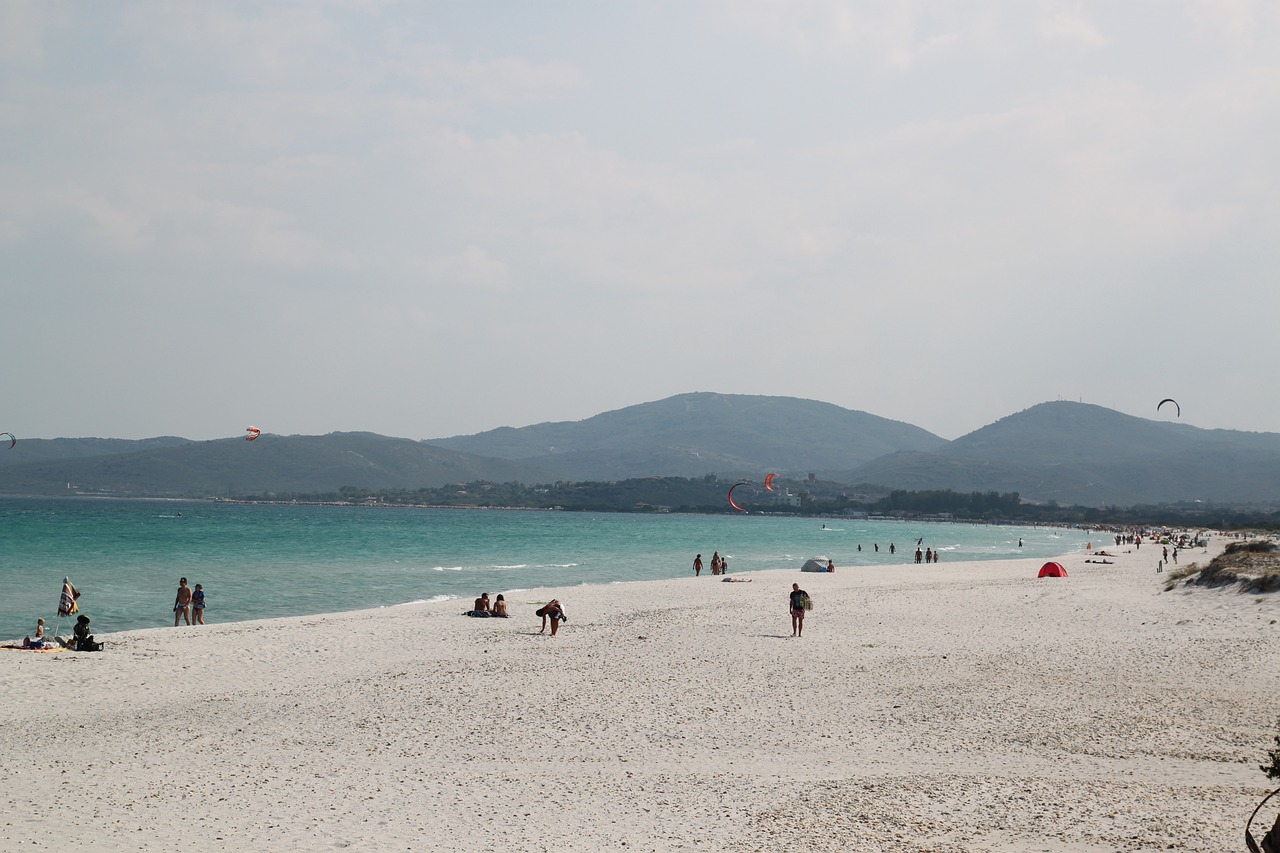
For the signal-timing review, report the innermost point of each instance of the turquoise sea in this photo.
(260, 561)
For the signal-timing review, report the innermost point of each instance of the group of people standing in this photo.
(719, 565)
(928, 555)
(188, 606)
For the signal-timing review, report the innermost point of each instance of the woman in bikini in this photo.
(197, 605)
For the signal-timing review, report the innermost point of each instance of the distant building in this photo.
(785, 498)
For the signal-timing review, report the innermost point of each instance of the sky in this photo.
(428, 219)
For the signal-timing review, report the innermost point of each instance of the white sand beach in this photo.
(951, 707)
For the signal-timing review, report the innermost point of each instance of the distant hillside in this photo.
(29, 450)
(1077, 453)
(1070, 453)
(690, 435)
(280, 464)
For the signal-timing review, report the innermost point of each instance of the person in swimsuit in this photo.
(553, 611)
(197, 604)
(500, 607)
(796, 601)
(36, 642)
(182, 604)
(697, 565)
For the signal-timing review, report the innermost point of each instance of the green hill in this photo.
(272, 464)
(1070, 453)
(690, 435)
(1076, 453)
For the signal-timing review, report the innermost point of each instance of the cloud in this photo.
(1068, 23)
(504, 80)
(764, 184)
(889, 33)
(25, 27)
(473, 266)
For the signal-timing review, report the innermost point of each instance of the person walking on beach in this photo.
(697, 565)
(796, 602)
(182, 604)
(553, 611)
(197, 605)
(715, 563)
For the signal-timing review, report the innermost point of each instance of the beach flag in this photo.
(67, 605)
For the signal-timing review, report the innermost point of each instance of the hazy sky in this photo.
(424, 219)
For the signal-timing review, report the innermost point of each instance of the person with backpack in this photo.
(798, 602)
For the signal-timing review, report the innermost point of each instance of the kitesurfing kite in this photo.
(731, 488)
(254, 432)
(768, 482)
(1170, 400)
(13, 439)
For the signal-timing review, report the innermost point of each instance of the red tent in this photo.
(1052, 570)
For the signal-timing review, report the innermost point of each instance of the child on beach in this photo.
(36, 642)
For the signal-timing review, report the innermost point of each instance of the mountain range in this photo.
(1064, 452)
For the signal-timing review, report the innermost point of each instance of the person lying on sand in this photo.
(736, 580)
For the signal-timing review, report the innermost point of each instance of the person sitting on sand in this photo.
(499, 607)
(36, 642)
(84, 640)
(481, 606)
(553, 611)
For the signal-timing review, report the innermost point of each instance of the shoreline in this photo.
(959, 707)
(409, 567)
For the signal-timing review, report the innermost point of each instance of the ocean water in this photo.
(259, 561)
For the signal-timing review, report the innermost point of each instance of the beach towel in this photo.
(18, 647)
